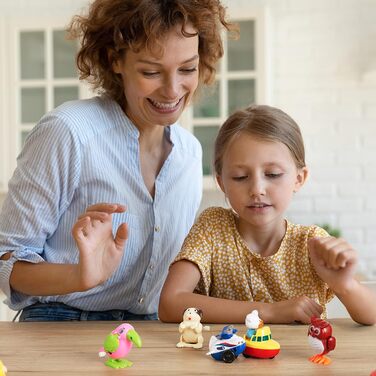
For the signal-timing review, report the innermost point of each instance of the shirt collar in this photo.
(170, 130)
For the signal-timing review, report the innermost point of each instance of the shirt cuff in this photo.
(6, 266)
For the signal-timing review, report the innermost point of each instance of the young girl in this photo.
(250, 257)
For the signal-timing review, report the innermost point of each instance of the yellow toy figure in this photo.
(190, 329)
(3, 369)
(258, 339)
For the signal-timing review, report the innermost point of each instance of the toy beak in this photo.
(133, 336)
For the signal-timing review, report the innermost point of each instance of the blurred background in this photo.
(314, 59)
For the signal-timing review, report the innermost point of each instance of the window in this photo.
(39, 74)
(239, 82)
(46, 76)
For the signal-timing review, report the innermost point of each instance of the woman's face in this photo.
(157, 89)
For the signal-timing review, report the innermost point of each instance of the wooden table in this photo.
(71, 348)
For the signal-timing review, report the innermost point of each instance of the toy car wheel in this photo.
(228, 356)
(246, 355)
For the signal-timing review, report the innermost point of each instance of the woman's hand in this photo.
(100, 252)
(334, 261)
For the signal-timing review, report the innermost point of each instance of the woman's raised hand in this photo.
(100, 252)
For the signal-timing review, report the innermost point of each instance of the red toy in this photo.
(321, 339)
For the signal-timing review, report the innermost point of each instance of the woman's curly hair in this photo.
(113, 26)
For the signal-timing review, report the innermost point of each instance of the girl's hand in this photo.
(334, 261)
(100, 252)
(299, 309)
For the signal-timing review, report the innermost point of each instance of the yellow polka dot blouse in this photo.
(230, 270)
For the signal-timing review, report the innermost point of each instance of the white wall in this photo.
(40, 8)
(323, 73)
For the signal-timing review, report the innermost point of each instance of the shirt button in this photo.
(157, 229)
(151, 267)
(141, 300)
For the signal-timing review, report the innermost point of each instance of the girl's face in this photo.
(259, 178)
(157, 89)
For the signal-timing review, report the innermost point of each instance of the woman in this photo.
(123, 148)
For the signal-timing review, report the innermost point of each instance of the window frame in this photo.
(259, 15)
(13, 126)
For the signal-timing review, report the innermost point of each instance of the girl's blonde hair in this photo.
(112, 27)
(264, 122)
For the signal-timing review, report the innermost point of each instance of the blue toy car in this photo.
(226, 346)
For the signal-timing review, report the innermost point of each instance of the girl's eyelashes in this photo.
(270, 175)
(274, 175)
(239, 178)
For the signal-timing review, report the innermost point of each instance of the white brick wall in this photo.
(323, 64)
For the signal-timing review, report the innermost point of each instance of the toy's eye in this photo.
(311, 329)
(317, 331)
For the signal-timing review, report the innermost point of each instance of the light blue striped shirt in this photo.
(86, 152)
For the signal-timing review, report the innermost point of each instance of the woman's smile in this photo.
(165, 107)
